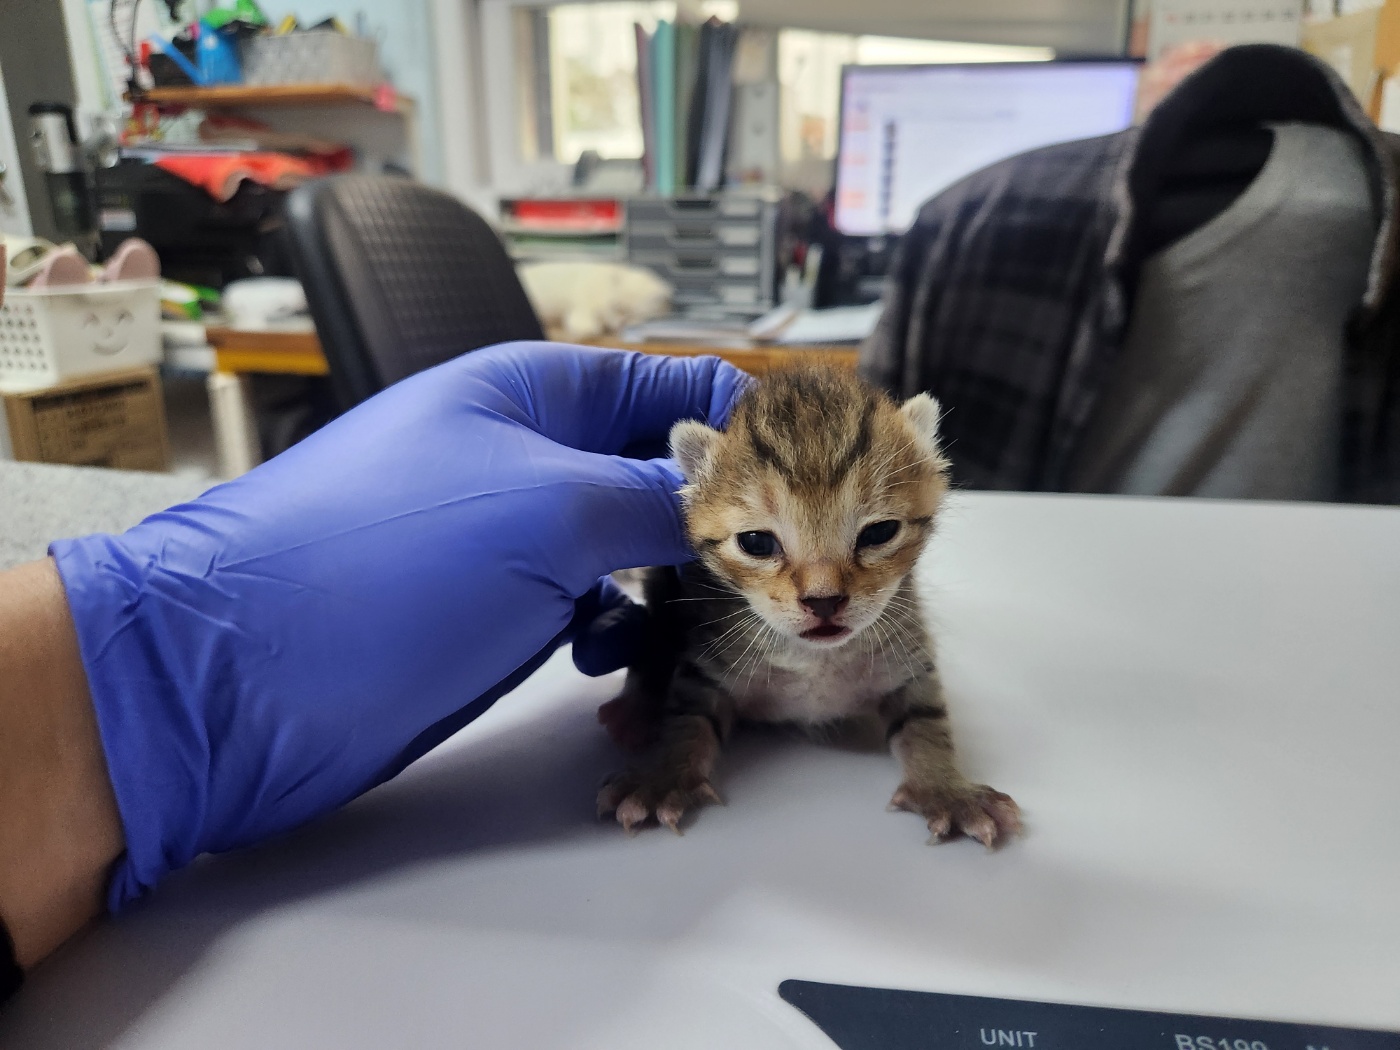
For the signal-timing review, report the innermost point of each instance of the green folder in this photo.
(663, 66)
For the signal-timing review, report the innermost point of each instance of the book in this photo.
(687, 70)
(714, 131)
(646, 102)
(695, 114)
(663, 66)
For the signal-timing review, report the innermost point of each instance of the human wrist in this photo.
(61, 830)
(149, 735)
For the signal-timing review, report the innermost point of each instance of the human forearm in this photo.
(59, 826)
(263, 654)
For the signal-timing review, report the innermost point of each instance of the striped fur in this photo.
(824, 466)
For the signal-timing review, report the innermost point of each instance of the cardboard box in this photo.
(113, 420)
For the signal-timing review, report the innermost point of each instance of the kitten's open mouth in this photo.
(826, 632)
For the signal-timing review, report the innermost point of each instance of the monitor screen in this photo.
(908, 132)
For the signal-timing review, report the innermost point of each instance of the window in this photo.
(574, 71)
(589, 54)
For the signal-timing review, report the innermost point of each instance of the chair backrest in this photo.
(399, 278)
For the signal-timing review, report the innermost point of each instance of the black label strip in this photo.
(884, 1019)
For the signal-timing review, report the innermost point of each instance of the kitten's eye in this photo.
(879, 533)
(758, 544)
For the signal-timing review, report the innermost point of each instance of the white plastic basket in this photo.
(53, 334)
(311, 57)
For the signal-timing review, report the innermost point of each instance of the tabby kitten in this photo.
(808, 514)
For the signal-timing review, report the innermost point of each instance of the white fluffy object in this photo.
(583, 300)
(257, 303)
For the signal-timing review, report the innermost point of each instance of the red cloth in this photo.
(220, 174)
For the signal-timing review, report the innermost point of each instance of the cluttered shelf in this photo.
(230, 96)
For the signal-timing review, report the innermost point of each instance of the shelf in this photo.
(232, 96)
(515, 229)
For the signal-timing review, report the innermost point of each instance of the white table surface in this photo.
(1195, 703)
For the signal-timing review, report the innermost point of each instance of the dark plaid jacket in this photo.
(1009, 298)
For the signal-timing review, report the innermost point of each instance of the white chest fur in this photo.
(812, 686)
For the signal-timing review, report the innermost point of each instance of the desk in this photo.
(299, 353)
(239, 353)
(1193, 701)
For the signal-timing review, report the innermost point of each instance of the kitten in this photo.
(808, 514)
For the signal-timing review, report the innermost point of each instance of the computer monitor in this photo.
(908, 132)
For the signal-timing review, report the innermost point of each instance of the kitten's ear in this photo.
(692, 444)
(924, 412)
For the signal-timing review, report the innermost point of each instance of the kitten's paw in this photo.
(635, 797)
(630, 720)
(975, 810)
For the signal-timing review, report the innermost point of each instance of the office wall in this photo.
(34, 55)
(14, 201)
(461, 86)
(408, 52)
(1069, 26)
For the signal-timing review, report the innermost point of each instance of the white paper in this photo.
(840, 324)
(1226, 21)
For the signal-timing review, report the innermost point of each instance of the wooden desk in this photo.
(299, 353)
(239, 353)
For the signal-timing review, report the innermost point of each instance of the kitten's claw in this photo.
(630, 813)
(939, 828)
(633, 798)
(974, 810)
(670, 812)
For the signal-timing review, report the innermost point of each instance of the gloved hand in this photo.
(290, 639)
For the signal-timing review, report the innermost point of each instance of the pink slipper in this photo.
(134, 260)
(61, 267)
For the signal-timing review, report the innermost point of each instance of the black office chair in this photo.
(399, 278)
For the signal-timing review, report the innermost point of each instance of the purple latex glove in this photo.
(289, 640)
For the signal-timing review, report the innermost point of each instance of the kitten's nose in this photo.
(825, 605)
